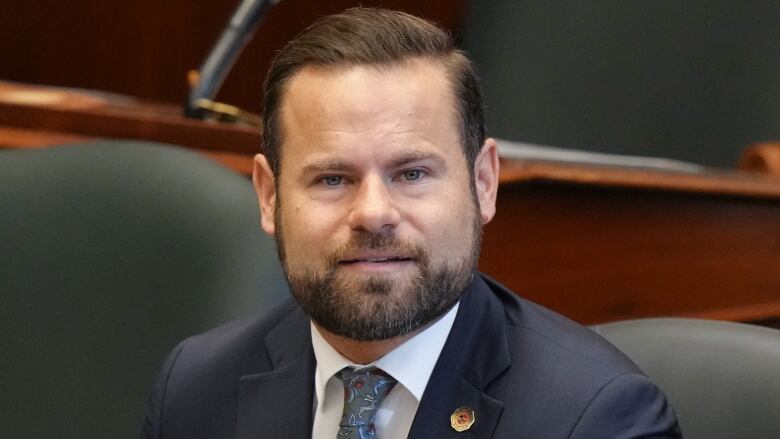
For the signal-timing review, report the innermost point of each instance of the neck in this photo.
(363, 352)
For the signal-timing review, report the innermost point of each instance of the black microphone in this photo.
(225, 52)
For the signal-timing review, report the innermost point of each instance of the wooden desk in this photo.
(35, 112)
(762, 157)
(594, 243)
(602, 244)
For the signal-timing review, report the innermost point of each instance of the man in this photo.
(376, 179)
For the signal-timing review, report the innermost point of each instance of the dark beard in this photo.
(365, 308)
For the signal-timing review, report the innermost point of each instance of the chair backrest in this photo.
(722, 378)
(110, 253)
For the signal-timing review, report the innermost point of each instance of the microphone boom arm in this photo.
(224, 54)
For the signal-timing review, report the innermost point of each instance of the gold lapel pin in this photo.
(462, 419)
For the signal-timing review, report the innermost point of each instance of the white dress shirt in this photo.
(411, 364)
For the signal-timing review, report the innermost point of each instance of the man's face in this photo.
(374, 213)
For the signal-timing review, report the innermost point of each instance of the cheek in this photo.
(446, 225)
(309, 229)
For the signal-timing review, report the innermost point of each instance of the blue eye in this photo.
(412, 175)
(333, 180)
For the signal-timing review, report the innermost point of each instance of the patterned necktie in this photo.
(364, 391)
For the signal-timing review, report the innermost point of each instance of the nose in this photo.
(373, 208)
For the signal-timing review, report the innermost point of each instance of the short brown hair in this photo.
(372, 36)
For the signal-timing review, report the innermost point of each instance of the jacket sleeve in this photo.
(151, 426)
(629, 406)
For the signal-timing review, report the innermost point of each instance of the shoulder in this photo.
(241, 341)
(565, 377)
(533, 331)
(201, 374)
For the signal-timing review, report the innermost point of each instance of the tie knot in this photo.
(364, 391)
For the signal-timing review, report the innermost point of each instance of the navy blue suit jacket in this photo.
(524, 370)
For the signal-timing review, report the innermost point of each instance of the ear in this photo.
(486, 179)
(265, 187)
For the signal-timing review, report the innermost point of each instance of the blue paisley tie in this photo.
(364, 391)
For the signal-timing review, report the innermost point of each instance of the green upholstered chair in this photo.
(110, 253)
(722, 378)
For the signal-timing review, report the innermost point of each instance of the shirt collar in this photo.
(424, 348)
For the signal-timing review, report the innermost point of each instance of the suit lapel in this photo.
(475, 354)
(279, 403)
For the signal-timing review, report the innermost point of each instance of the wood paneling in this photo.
(602, 253)
(145, 48)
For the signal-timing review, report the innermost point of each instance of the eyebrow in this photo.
(417, 156)
(327, 165)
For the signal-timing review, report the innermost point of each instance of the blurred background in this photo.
(114, 250)
(695, 80)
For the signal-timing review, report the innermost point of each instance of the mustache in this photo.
(365, 241)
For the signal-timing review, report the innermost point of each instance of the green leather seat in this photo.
(722, 378)
(110, 253)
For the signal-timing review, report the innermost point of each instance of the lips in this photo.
(375, 259)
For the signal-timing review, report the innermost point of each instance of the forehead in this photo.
(377, 105)
(359, 85)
